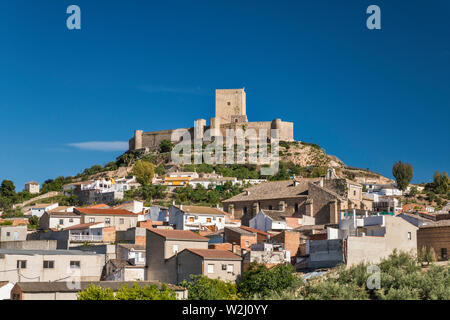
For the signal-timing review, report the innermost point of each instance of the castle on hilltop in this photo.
(230, 114)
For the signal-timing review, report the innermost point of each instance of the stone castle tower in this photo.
(230, 113)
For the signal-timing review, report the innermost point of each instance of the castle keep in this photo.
(230, 114)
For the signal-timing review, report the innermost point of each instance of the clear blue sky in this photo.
(369, 97)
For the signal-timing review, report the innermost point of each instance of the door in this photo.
(15, 236)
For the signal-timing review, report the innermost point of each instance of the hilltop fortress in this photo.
(230, 114)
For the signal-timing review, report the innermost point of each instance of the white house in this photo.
(266, 220)
(59, 218)
(196, 218)
(39, 208)
(5, 290)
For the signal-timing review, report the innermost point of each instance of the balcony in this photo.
(86, 237)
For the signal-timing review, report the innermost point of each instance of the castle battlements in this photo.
(230, 113)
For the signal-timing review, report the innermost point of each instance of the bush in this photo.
(262, 281)
(203, 288)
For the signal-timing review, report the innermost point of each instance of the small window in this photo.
(444, 253)
(245, 210)
(208, 220)
(270, 207)
(21, 264)
(229, 103)
(210, 268)
(230, 268)
(409, 235)
(191, 219)
(224, 267)
(61, 221)
(121, 221)
(175, 248)
(354, 192)
(91, 220)
(71, 220)
(8, 234)
(107, 220)
(296, 207)
(75, 264)
(247, 243)
(49, 264)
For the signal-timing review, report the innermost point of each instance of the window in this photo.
(224, 267)
(230, 268)
(220, 219)
(245, 210)
(49, 264)
(444, 253)
(8, 234)
(91, 220)
(16, 296)
(270, 207)
(409, 235)
(21, 264)
(74, 264)
(61, 221)
(191, 219)
(208, 220)
(247, 243)
(121, 221)
(229, 103)
(354, 192)
(175, 248)
(210, 268)
(296, 207)
(71, 220)
(107, 220)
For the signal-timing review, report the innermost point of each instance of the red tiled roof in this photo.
(98, 206)
(215, 254)
(104, 211)
(254, 230)
(179, 234)
(81, 226)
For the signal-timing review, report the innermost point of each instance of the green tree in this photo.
(95, 293)
(413, 192)
(262, 281)
(33, 222)
(403, 173)
(7, 189)
(165, 146)
(201, 287)
(145, 293)
(144, 172)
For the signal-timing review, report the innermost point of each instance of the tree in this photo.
(95, 293)
(33, 222)
(127, 293)
(403, 173)
(165, 146)
(144, 172)
(259, 279)
(203, 288)
(145, 293)
(413, 192)
(7, 189)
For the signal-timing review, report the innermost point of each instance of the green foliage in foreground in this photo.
(127, 293)
(203, 288)
(401, 278)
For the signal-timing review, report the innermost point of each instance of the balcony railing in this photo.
(86, 237)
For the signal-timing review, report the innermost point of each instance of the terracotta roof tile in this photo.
(104, 211)
(215, 254)
(179, 235)
(202, 210)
